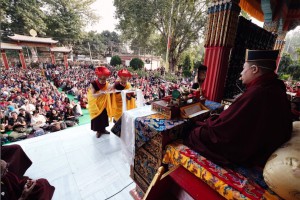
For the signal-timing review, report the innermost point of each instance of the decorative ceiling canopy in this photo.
(280, 15)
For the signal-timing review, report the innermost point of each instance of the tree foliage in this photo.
(285, 62)
(139, 20)
(292, 42)
(98, 43)
(61, 19)
(289, 67)
(136, 63)
(111, 41)
(21, 16)
(115, 60)
(187, 64)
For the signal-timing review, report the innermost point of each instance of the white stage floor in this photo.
(79, 165)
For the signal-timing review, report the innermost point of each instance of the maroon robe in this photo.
(250, 130)
(12, 187)
(17, 159)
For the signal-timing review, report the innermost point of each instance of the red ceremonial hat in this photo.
(124, 73)
(102, 71)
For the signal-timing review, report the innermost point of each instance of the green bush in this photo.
(284, 76)
(187, 73)
(136, 63)
(115, 60)
(170, 77)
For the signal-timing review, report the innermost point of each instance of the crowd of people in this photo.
(31, 104)
(34, 101)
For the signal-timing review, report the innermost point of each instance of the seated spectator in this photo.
(15, 122)
(16, 188)
(3, 122)
(70, 117)
(83, 101)
(18, 125)
(18, 101)
(29, 107)
(59, 106)
(9, 109)
(40, 110)
(26, 115)
(37, 120)
(55, 121)
(76, 109)
(45, 106)
(66, 101)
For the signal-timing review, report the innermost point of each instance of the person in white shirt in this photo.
(37, 120)
(28, 106)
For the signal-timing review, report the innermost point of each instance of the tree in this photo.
(298, 54)
(98, 43)
(294, 70)
(111, 40)
(61, 19)
(197, 65)
(292, 42)
(21, 16)
(140, 19)
(65, 19)
(187, 64)
(115, 60)
(285, 61)
(136, 63)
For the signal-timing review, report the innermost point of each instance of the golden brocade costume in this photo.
(97, 105)
(117, 104)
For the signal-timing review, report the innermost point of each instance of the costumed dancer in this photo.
(99, 102)
(122, 84)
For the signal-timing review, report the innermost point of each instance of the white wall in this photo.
(155, 65)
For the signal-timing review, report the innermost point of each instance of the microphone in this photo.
(237, 85)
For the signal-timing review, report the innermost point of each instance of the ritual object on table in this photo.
(179, 106)
(193, 110)
(166, 109)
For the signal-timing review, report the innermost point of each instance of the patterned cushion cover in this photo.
(235, 183)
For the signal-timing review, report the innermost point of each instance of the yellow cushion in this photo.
(282, 171)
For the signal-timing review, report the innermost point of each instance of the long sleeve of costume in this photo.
(117, 103)
(252, 128)
(98, 104)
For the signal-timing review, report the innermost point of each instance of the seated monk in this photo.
(15, 188)
(17, 159)
(255, 125)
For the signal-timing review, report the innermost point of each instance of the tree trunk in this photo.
(172, 62)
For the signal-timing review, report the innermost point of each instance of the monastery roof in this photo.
(26, 38)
